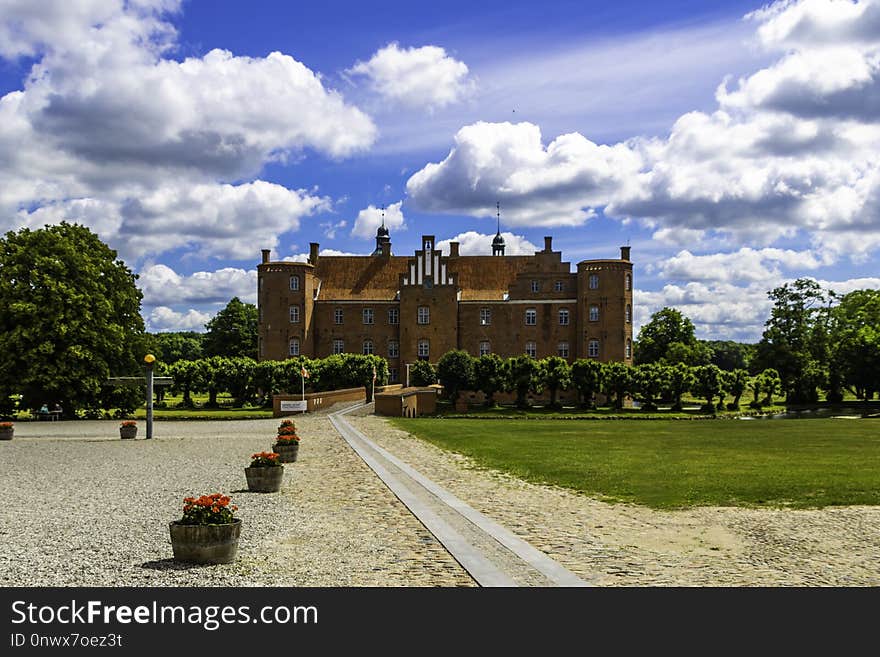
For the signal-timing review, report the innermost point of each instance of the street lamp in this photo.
(149, 359)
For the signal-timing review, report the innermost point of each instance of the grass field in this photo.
(670, 464)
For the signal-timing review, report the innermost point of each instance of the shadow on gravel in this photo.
(171, 564)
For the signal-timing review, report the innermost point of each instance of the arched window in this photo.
(368, 347)
(628, 282)
(628, 313)
(629, 348)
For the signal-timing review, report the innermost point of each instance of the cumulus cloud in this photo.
(416, 77)
(304, 257)
(474, 243)
(110, 130)
(745, 265)
(370, 218)
(554, 185)
(164, 318)
(162, 286)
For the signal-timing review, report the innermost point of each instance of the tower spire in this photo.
(498, 242)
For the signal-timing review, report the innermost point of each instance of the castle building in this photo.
(418, 307)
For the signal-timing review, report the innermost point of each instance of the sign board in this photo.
(287, 406)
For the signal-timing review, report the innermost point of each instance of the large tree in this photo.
(665, 328)
(69, 317)
(855, 340)
(555, 374)
(178, 345)
(233, 331)
(795, 340)
(455, 369)
(489, 376)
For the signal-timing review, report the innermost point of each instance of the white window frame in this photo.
(562, 349)
(394, 316)
(559, 286)
(294, 283)
(594, 313)
(338, 346)
(293, 347)
(338, 316)
(392, 375)
(629, 348)
(423, 315)
(628, 314)
(294, 314)
(536, 286)
(531, 349)
(393, 349)
(485, 316)
(485, 348)
(628, 284)
(424, 348)
(593, 348)
(368, 347)
(594, 281)
(564, 316)
(531, 313)
(367, 316)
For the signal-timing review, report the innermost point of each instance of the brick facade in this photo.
(422, 306)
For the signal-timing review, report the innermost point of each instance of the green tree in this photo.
(694, 355)
(555, 375)
(455, 369)
(649, 382)
(522, 377)
(855, 336)
(233, 331)
(180, 345)
(69, 317)
(422, 373)
(708, 385)
(489, 376)
(735, 383)
(729, 355)
(586, 375)
(665, 327)
(795, 339)
(681, 380)
(618, 380)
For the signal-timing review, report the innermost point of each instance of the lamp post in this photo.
(149, 359)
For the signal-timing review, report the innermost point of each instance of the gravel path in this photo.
(83, 508)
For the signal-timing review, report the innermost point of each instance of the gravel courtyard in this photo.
(82, 507)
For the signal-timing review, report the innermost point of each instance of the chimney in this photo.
(313, 253)
(624, 252)
(265, 255)
(548, 240)
(453, 249)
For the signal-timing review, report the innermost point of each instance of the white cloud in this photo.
(304, 257)
(416, 77)
(370, 218)
(537, 185)
(162, 286)
(745, 265)
(474, 243)
(164, 318)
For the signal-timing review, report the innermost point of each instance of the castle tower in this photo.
(383, 239)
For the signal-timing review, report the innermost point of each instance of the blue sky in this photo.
(734, 147)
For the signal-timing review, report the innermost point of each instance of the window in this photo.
(394, 315)
(424, 350)
(593, 349)
(531, 317)
(563, 317)
(392, 374)
(594, 281)
(368, 347)
(338, 347)
(536, 286)
(337, 316)
(393, 349)
(485, 316)
(294, 314)
(562, 349)
(628, 313)
(294, 283)
(368, 315)
(424, 315)
(559, 286)
(628, 284)
(293, 347)
(629, 348)
(531, 349)
(594, 313)
(485, 348)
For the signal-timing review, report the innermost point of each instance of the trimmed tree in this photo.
(522, 376)
(650, 380)
(555, 375)
(707, 385)
(735, 383)
(586, 375)
(618, 378)
(489, 376)
(455, 369)
(422, 373)
(681, 379)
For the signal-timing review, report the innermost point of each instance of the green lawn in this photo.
(670, 464)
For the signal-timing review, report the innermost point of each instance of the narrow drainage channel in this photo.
(491, 554)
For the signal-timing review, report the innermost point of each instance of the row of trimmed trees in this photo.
(648, 383)
(251, 381)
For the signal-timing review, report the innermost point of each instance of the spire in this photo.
(498, 242)
(383, 240)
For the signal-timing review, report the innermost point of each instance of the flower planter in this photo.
(287, 453)
(265, 479)
(128, 432)
(205, 543)
(6, 434)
